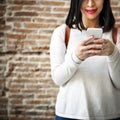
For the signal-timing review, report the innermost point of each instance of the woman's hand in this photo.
(107, 48)
(91, 47)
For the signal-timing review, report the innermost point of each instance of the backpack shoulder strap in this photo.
(67, 35)
(114, 35)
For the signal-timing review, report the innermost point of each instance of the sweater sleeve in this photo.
(114, 63)
(61, 69)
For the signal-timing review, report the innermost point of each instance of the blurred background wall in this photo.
(27, 91)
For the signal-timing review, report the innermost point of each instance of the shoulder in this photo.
(118, 32)
(59, 33)
(60, 29)
(61, 26)
(118, 29)
(118, 35)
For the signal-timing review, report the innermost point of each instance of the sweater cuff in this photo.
(114, 55)
(75, 59)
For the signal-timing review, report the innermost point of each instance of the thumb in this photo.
(88, 40)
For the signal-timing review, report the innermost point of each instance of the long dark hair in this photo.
(74, 18)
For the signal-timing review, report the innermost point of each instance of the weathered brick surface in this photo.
(27, 91)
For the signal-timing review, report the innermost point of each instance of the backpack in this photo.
(67, 35)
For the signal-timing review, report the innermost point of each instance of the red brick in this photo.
(35, 102)
(2, 13)
(61, 9)
(2, 21)
(26, 14)
(5, 27)
(54, 15)
(12, 19)
(44, 20)
(3, 112)
(16, 36)
(15, 8)
(3, 100)
(52, 3)
(36, 25)
(38, 8)
(20, 118)
(2, 7)
(22, 2)
(24, 31)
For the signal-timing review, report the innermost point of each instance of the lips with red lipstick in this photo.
(91, 11)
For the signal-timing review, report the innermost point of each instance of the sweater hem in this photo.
(91, 117)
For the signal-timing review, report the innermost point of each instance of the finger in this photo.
(93, 46)
(88, 40)
(99, 41)
(93, 52)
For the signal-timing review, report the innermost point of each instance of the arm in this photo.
(114, 64)
(61, 69)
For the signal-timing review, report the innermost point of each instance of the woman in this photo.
(88, 74)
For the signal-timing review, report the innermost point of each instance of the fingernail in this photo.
(92, 36)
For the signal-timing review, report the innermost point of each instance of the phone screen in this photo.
(96, 32)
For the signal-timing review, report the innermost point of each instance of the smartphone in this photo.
(96, 32)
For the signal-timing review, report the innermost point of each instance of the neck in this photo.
(91, 23)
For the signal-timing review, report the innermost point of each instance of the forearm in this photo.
(114, 67)
(62, 73)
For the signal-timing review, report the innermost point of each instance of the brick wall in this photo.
(27, 91)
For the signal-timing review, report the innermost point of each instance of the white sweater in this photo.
(89, 89)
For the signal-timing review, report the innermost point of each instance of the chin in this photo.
(92, 17)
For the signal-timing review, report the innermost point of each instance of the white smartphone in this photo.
(96, 32)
